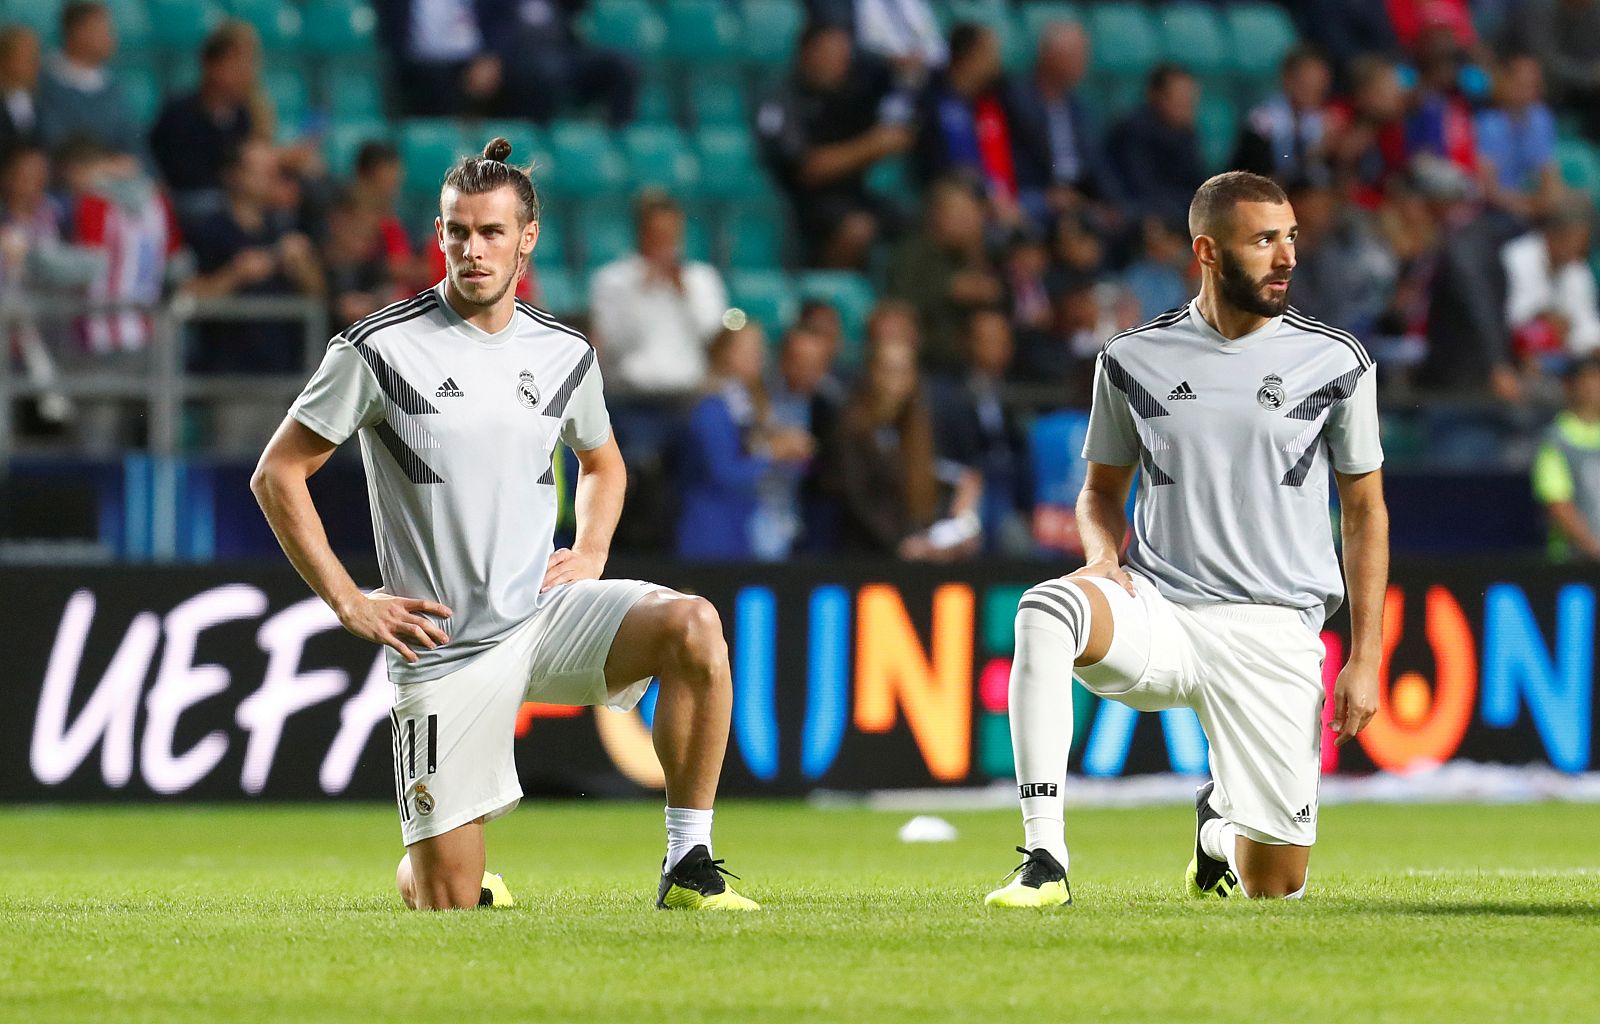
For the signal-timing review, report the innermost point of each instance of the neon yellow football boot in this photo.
(1040, 882)
(494, 892)
(1207, 877)
(696, 883)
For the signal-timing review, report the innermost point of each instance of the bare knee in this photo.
(439, 890)
(695, 642)
(404, 882)
(1270, 884)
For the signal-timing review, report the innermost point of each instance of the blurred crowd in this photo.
(1420, 141)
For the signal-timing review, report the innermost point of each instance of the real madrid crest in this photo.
(1271, 394)
(423, 800)
(527, 390)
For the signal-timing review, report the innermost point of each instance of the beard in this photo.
(1245, 292)
(476, 296)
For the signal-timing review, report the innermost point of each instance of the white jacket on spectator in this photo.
(652, 335)
(1534, 288)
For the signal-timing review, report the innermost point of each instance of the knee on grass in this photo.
(1273, 884)
(440, 893)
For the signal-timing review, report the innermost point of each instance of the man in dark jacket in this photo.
(1155, 149)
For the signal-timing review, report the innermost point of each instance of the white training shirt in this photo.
(458, 431)
(1235, 439)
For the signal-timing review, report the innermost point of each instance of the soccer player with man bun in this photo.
(1234, 407)
(461, 396)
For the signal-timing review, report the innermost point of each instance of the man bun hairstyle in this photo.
(1214, 201)
(473, 175)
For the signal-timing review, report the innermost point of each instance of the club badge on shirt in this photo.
(1271, 394)
(527, 390)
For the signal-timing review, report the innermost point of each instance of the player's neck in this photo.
(489, 319)
(1225, 318)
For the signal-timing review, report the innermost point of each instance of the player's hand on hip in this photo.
(1106, 570)
(569, 566)
(396, 622)
(1355, 701)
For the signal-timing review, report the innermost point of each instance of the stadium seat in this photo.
(181, 25)
(701, 31)
(279, 24)
(345, 139)
(655, 103)
(584, 162)
(891, 177)
(766, 296)
(559, 291)
(718, 100)
(353, 92)
(343, 28)
(1125, 41)
(1033, 18)
(755, 239)
(550, 253)
(771, 28)
(428, 146)
(1193, 37)
(848, 293)
(1015, 51)
(1260, 36)
(607, 234)
(632, 26)
(659, 157)
(287, 90)
(728, 165)
(1217, 124)
(142, 92)
(1580, 165)
(132, 21)
(43, 16)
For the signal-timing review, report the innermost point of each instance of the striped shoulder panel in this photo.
(1311, 325)
(363, 332)
(1167, 319)
(543, 318)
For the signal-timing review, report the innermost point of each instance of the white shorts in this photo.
(453, 736)
(1252, 674)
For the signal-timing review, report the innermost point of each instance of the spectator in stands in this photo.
(1347, 29)
(78, 94)
(1283, 136)
(1566, 471)
(1517, 141)
(1155, 149)
(244, 249)
(1566, 36)
(808, 396)
(19, 88)
(1065, 355)
(652, 313)
(893, 322)
(1056, 147)
(1550, 288)
(444, 63)
(944, 271)
(976, 429)
(1440, 121)
(1159, 278)
(31, 219)
(965, 132)
(1413, 20)
(1345, 273)
(834, 120)
(358, 268)
(1027, 279)
(379, 181)
(196, 132)
(1366, 133)
(882, 468)
(1080, 254)
(739, 470)
(548, 68)
(822, 318)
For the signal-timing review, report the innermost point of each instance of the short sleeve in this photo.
(342, 396)
(1353, 429)
(586, 424)
(1112, 438)
(1552, 477)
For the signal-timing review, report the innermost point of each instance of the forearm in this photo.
(1574, 527)
(598, 505)
(286, 502)
(1101, 526)
(826, 164)
(1365, 531)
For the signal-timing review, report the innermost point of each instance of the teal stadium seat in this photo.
(287, 91)
(655, 103)
(1260, 36)
(852, 296)
(607, 235)
(1580, 165)
(352, 93)
(771, 28)
(700, 31)
(550, 253)
(344, 141)
(696, 238)
(1126, 42)
(729, 169)
(755, 239)
(717, 100)
(559, 292)
(891, 178)
(1015, 51)
(585, 164)
(142, 92)
(1217, 124)
(632, 26)
(133, 25)
(340, 28)
(428, 146)
(1192, 36)
(43, 16)
(180, 26)
(766, 296)
(659, 157)
(1033, 17)
(277, 23)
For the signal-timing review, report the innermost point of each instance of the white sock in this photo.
(1219, 839)
(1052, 629)
(687, 827)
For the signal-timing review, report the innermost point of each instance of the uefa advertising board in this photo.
(216, 683)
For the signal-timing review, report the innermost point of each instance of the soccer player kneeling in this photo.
(1234, 406)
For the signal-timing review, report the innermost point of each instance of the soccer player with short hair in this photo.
(461, 396)
(1233, 406)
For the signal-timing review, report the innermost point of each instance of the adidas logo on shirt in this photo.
(449, 389)
(1181, 392)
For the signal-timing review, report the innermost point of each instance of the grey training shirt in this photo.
(458, 431)
(1235, 439)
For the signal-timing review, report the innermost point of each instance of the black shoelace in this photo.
(1034, 870)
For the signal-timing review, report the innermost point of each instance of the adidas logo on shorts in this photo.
(1182, 392)
(1304, 817)
(449, 389)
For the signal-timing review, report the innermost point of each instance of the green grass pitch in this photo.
(1450, 913)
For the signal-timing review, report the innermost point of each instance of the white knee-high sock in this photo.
(1052, 629)
(687, 827)
(1219, 839)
